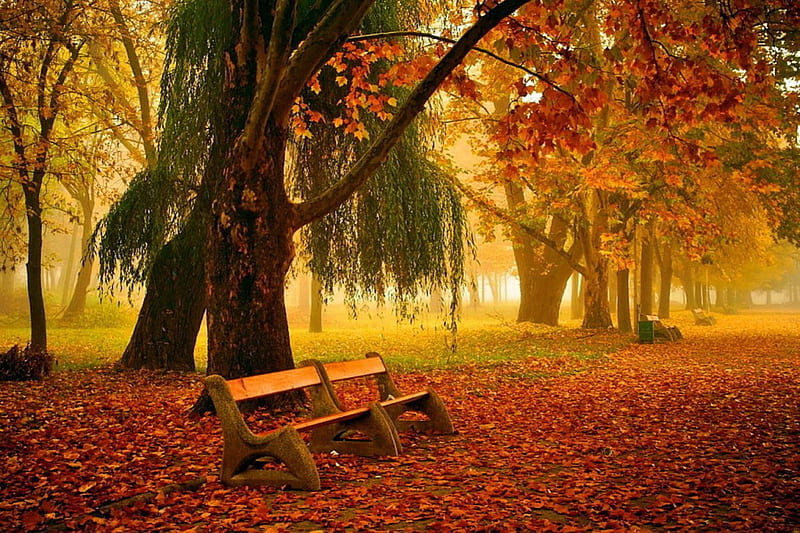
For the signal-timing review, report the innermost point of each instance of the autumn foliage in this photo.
(696, 435)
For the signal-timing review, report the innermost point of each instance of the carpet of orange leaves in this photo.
(697, 435)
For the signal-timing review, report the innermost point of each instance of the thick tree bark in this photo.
(597, 312)
(166, 330)
(249, 252)
(543, 272)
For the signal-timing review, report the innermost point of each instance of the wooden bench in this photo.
(395, 402)
(702, 319)
(247, 457)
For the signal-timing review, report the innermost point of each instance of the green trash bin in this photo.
(647, 331)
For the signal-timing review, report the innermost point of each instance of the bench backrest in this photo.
(273, 383)
(357, 368)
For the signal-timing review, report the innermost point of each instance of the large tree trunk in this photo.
(543, 272)
(597, 313)
(249, 252)
(166, 330)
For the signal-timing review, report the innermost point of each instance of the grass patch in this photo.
(487, 336)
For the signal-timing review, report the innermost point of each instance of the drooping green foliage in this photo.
(155, 205)
(404, 233)
(406, 229)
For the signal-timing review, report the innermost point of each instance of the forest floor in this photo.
(702, 434)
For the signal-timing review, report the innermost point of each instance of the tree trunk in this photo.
(646, 274)
(77, 304)
(597, 313)
(543, 273)
(665, 288)
(304, 282)
(623, 302)
(69, 264)
(315, 316)
(6, 289)
(687, 280)
(249, 252)
(34, 266)
(166, 330)
(576, 299)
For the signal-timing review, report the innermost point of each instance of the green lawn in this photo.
(486, 335)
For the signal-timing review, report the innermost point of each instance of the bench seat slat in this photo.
(356, 368)
(266, 384)
(406, 398)
(329, 419)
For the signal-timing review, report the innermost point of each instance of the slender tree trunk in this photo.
(315, 316)
(613, 295)
(624, 323)
(166, 331)
(77, 304)
(646, 274)
(34, 265)
(665, 288)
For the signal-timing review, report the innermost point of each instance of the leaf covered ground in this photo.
(698, 435)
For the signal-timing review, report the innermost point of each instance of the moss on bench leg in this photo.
(244, 453)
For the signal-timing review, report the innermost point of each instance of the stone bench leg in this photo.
(431, 406)
(371, 434)
(249, 462)
(247, 457)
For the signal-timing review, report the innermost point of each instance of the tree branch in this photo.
(325, 37)
(272, 71)
(337, 194)
(506, 217)
(14, 125)
(146, 127)
(496, 57)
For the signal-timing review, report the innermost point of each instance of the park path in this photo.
(697, 435)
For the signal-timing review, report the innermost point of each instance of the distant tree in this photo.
(37, 61)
